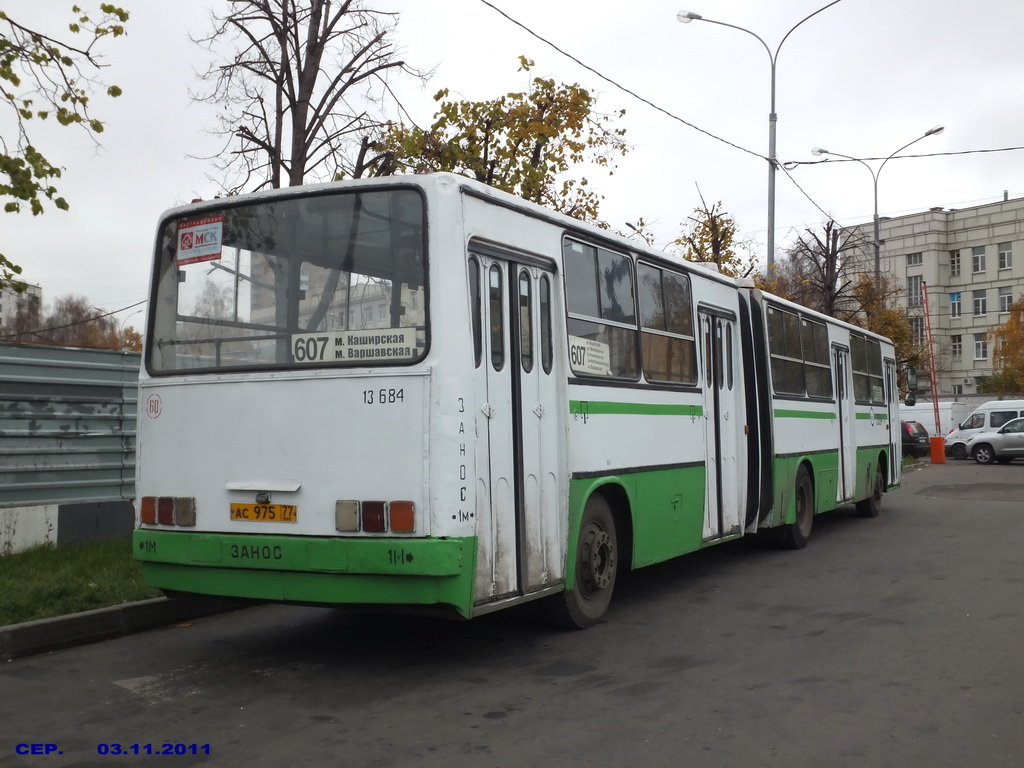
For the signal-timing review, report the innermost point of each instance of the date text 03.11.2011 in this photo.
(163, 748)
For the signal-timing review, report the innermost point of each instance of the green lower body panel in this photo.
(357, 571)
(824, 470)
(671, 506)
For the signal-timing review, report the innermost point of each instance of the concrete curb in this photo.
(32, 637)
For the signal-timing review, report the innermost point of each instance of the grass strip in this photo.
(45, 581)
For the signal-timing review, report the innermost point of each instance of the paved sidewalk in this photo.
(34, 637)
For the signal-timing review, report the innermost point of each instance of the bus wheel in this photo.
(795, 534)
(595, 569)
(872, 505)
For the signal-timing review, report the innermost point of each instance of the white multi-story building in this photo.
(11, 299)
(972, 262)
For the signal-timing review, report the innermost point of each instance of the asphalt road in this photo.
(897, 641)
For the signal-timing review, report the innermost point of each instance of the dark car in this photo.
(916, 442)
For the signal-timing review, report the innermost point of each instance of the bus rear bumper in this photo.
(357, 571)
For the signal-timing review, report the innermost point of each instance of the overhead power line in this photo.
(38, 331)
(621, 87)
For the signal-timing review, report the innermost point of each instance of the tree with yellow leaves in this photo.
(1008, 354)
(709, 236)
(525, 142)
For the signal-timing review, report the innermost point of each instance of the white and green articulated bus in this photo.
(422, 392)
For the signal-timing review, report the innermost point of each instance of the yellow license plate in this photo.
(265, 513)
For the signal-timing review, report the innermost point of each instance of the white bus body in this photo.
(419, 391)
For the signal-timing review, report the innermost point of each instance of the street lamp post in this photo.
(125, 321)
(686, 17)
(818, 152)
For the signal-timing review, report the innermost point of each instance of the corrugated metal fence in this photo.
(67, 424)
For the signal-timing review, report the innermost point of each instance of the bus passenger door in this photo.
(844, 404)
(892, 401)
(724, 502)
(539, 434)
(520, 510)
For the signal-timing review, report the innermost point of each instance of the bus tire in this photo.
(872, 505)
(595, 568)
(795, 535)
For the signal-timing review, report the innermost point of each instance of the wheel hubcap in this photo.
(597, 559)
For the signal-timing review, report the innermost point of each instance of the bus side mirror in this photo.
(911, 400)
(912, 380)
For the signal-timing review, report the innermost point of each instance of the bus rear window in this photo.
(331, 279)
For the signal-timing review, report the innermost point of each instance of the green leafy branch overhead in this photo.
(44, 77)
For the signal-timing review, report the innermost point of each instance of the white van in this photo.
(991, 415)
(951, 416)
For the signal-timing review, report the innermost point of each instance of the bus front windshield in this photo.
(312, 280)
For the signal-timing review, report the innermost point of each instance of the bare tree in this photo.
(821, 270)
(830, 270)
(72, 322)
(303, 82)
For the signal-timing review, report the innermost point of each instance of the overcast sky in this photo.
(863, 78)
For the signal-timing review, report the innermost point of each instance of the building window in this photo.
(954, 263)
(956, 346)
(980, 346)
(954, 304)
(1005, 255)
(958, 389)
(917, 331)
(914, 291)
(978, 258)
(915, 259)
(1005, 299)
(980, 302)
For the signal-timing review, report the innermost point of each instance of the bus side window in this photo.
(525, 321)
(476, 309)
(546, 349)
(728, 354)
(719, 362)
(497, 319)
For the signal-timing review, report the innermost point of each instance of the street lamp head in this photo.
(818, 151)
(687, 16)
(935, 131)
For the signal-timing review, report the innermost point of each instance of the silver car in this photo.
(1003, 445)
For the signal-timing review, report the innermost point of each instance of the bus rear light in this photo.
(346, 516)
(374, 519)
(184, 510)
(147, 510)
(403, 516)
(165, 510)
